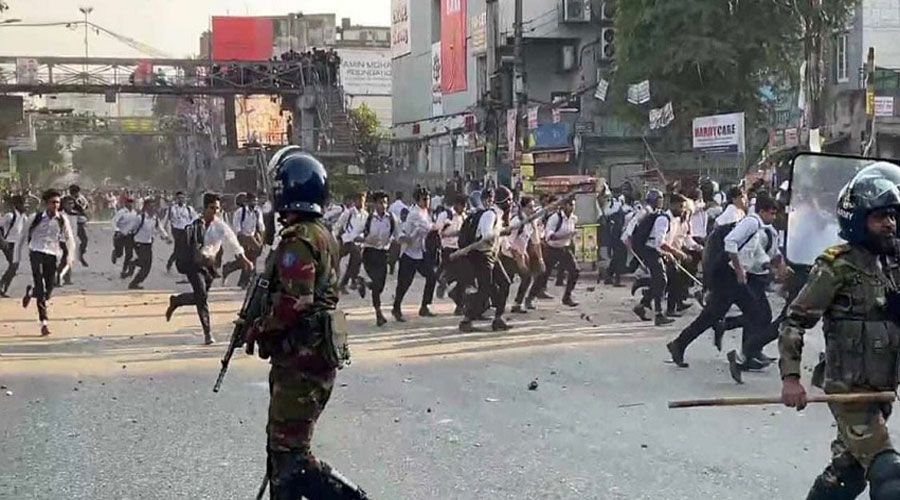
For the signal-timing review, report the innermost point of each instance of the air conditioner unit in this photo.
(576, 11)
(607, 10)
(607, 44)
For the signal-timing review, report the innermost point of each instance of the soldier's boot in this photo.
(334, 486)
(884, 476)
(844, 483)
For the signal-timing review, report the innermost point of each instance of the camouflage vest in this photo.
(327, 254)
(862, 342)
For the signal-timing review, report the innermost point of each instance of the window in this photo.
(436, 21)
(840, 58)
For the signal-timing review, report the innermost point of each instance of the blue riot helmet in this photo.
(654, 199)
(873, 188)
(300, 182)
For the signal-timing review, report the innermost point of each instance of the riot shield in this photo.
(816, 181)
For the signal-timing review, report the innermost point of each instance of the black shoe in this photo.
(361, 287)
(458, 311)
(682, 306)
(498, 325)
(607, 281)
(171, 309)
(617, 283)
(441, 291)
(672, 313)
(380, 320)
(466, 326)
(426, 313)
(756, 363)
(677, 354)
(518, 309)
(135, 286)
(83, 262)
(398, 315)
(529, 304)
(27, 298)
(641, 312)
(45, 331)
(734, 366)
(567, 301)
(543, 295)
(560, 283)
(718, 333)
(662, 320)
(67, 280)
(208, 339)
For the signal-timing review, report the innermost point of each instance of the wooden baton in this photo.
(859, 397)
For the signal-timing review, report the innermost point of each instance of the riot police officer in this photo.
(854, 287)
(303, 333)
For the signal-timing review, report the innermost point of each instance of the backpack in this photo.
(715, 258)
(188, 259)
(469, 230)
(38, 217)
(433, 248)
(616, 224)
(390, 217)
(643, 229)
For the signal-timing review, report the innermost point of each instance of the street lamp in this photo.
(86, 11)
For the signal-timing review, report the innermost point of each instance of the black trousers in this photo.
(658, 279)
(43, 274)
(751, 300)
(679, 283)
(565, 258)
(408, 269)
(144, 261)
(453, 272)
(82, 239)
(375, 263)
(61, 265)
(8, 253)
(128, 250)
(118, 246)
(526, 278)
(200, 283)
(179, 236)
(352, 272)
(619, 260)
(492, 284)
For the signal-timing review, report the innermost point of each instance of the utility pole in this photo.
(869, 145)
(492, 122)
(86, 11)
(519, 96)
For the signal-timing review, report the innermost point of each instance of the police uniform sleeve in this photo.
(806, 310)
(296, 274)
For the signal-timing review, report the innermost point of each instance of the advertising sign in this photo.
(437, 96)
(719, 133)
(260, 120)
(453, 46)
(884, 106)
(511, 130)
(400, 28)
(242, 38)
(366, 72)
(27, 71)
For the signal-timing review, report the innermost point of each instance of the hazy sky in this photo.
(173, 26)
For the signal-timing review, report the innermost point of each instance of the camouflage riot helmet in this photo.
(873, 188)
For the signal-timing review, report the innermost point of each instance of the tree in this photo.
(714, 56)
(367, 136)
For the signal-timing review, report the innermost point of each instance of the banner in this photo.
(884, 106)
(453, 46)
(366, 72)
(639, 93)
(511, 132)
(662, 117)
(791, 138)
(719, 133)
(437, 96)
(478, 30)
(602, 89)
(557, 117)
(242, 38)
(400, 28)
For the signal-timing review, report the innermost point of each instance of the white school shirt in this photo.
(416, 227)
(13, 223)
(248, 221)
(46, 236)
(181, 216)
(352, 222)
(121, 221)
(219, 234)
(566, 230)
(144, 230)
(449, 228)
(380, 235)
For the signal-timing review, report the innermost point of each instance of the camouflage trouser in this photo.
(862, 431)
(298, 397)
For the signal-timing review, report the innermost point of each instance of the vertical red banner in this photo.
(454, 24)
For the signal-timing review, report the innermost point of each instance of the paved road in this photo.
(117, 404)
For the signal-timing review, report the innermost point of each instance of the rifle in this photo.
(462, 252)
(255, 306)
(861, 397)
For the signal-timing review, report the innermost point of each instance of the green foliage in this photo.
(713, 56)
(36, 164)
(137, 158)
(364, 126)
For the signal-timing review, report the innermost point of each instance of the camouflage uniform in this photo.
(304, 289)
(848, 287)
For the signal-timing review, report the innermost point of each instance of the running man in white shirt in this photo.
(347, 231)
(558, 234)
(379, 231)
(121, 222)
(44, 232)
(179, 215)
(250, 229)
(449, 222)
(417, 226)
(206, 236)
(143, 229)
(11, 227)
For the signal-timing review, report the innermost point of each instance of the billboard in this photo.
(454, 23)
(242, 38)
(260, 120)
(400, 28)
(437, 96)
(366, 72)
(719, 133)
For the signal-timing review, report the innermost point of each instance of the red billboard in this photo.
(453, 46)
(242, 38)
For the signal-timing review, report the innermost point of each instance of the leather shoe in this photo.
(425, 312)
(677, 354)
(718, 333)
(662, 320)
(398, 315)
(567, 301)
(518, 309)
(380, 320)
(734, 366)
(641, 312)
(498, 325)
(171, 309)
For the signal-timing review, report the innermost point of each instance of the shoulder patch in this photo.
(831, 254)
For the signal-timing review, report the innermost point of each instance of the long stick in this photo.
(861, 397)
(685, 271)
(535, 216)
